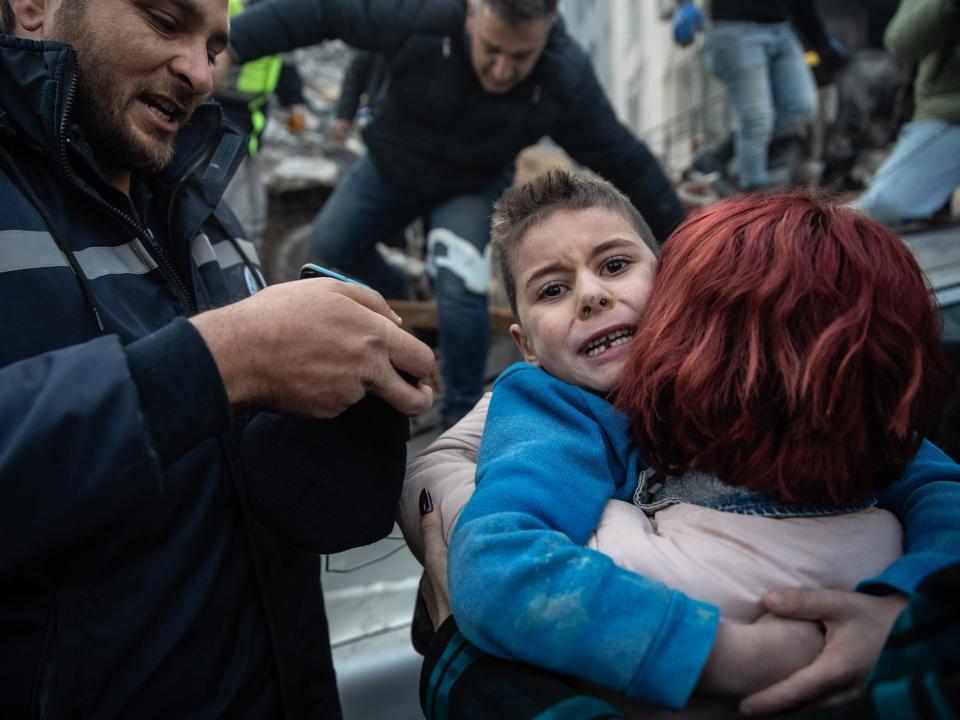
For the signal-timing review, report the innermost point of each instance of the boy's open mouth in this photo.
(601, 343)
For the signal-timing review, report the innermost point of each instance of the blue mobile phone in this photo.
(312, 270)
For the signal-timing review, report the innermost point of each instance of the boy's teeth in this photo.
(608, 341)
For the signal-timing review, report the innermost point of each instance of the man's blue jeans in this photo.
(918, 177)
(772, 90)
(365, 208)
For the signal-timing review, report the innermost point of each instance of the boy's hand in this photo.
(748, 657)
(857, 626)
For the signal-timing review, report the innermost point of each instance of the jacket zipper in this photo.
(163, 262)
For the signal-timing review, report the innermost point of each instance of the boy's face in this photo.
(583, 278)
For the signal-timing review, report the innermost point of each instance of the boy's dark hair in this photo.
(518, 12)
(526, 206)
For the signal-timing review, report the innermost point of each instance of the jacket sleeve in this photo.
(86, 431)
(355, 80)
(523, 587)
(327, 485)
(592, 135)
(920, 27)
(447, 469)
(275, 26)
(927, 502)
(808, 23)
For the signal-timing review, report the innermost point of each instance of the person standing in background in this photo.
(753, 49)
(471, 85)
(923, 170)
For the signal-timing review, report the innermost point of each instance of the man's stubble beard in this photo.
(100, 108)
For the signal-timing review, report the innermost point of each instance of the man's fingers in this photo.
(803, 604)
(370, 299)
(403, 396)
(409, 354)
(813, 682)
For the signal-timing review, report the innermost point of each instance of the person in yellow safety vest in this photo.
(253, 83)
(244, 95)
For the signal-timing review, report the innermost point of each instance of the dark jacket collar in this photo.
(35, 79)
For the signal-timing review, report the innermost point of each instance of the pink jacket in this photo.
(723, 558)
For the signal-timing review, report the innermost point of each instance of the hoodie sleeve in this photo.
(523, 587)
(927, 503)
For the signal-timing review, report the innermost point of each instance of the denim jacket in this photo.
(656, 491)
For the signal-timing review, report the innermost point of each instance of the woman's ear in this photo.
(28, 17)
(526, 348)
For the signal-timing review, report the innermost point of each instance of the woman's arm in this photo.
(447, 469)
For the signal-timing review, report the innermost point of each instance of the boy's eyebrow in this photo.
(611, 244)
(550, 269)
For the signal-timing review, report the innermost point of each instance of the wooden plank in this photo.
(422, 314)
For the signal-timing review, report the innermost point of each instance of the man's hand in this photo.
(314, 348)
(856, 625)
(747, 657)
(340, 131)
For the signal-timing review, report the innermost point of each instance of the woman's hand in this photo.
(433, 584)
(856, 626)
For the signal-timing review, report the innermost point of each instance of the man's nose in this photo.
(502, 70)
(192, 67)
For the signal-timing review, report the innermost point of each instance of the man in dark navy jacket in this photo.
(472, 83)
(158, 530)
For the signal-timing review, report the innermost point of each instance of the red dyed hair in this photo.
(790, 346)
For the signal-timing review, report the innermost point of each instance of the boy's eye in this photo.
(551, 291)
(615, 265)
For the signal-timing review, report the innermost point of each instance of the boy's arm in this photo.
(927, 502)
(523, 587)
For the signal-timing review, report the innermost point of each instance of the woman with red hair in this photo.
(789, 346)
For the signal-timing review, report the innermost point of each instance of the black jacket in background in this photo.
(802, 13)
(437, 131)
